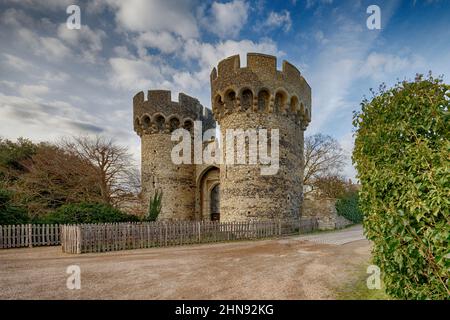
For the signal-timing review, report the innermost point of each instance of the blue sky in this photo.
(56, 82)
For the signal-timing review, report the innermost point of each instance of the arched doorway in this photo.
(215, 203)
(209, 194)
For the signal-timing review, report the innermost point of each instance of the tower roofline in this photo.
(159, 103)
(286, 90)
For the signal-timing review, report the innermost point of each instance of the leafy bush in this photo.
(12, 155)
(329, 186)
(402, 157)
(347, 206)
(86, 213)
(154, 208)
(9, 213)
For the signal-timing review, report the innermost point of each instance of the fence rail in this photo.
(29, 235)
(122, 236)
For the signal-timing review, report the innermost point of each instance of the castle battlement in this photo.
(159, 114)
(260, 87)
(255, 96)
(258, 63)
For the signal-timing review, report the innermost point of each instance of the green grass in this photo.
(357, 290)
(317, 231)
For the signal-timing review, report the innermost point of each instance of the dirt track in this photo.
(289, 268)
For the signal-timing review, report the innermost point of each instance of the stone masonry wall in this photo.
(259, 96)
(245, 193)
(175, 181)
(324, 210)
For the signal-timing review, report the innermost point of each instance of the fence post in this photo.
(30, 235)
(61, 235)
(78, 239)
(165, 234)
(279, 227)
(199, 232)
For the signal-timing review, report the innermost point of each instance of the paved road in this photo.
(336, 237)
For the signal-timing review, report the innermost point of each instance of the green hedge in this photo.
(401, 154)
(347, 206)
(86, 213)
(10, 213)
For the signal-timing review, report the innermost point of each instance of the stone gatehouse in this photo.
(243, 97)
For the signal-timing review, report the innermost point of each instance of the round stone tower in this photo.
(154, 121)
(259, 96)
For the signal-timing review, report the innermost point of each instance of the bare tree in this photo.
(115, 172)
(324, 159)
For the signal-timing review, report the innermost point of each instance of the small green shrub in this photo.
(86, 213)
(348, 207)
(10, 213)
(155, 205)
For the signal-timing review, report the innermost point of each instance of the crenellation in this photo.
(290, 71)
(213, 74)
(138, 98)
(153, 115)
(159, 97)
(262, 63)
(189, 102)
(259, 76)
(229, 65)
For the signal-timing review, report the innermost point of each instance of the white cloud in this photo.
(228, 18)
(138, 74)
(52, 5)
(31, 117)
(16, 18)
(86, 41)
(311, 3)
(156, 15)
(52, 47)
(32, 34)
(54, 76)
(185, 81)
(8, 84)
(48, 47)
(279, 19)
(147, 71)
(164, 41)
(320, 37)
(122, 52)
(208, 55)
(378, 66)
(33, 90)
(17, 62)
(336, 67)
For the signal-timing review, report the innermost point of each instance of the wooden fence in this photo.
(122, 236)
(29, 235)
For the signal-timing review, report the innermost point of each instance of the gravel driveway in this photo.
(288, 268)
(339, 237)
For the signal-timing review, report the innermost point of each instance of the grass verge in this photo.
(358, 290)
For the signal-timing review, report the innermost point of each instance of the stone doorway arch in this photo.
(209, 194)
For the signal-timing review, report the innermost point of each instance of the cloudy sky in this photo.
(56, 82)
